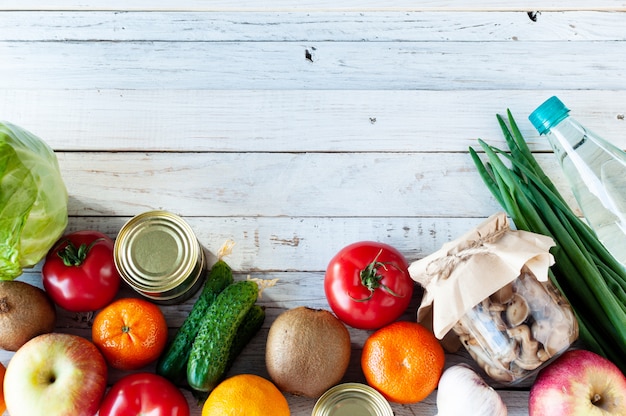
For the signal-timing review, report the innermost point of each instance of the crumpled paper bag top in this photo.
(467, 270)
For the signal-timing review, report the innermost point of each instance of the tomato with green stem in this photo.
(79, 272)
(367, 284)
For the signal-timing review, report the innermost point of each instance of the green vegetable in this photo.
(33, 200)
(210, 351)
(173, 363)
(251, 324)
(585, 272)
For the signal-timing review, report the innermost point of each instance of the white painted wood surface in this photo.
(298, 128)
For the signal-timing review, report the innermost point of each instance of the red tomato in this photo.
(144, 394)
(79, 272)
(367, 285)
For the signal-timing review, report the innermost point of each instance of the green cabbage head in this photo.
(33, 200)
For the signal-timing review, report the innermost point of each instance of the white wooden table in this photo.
(296, 128)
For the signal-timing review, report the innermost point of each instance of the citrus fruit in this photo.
(246, 395)
(3, 405)
(130, 332)
(403, 361)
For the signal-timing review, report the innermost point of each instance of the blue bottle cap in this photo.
(548, 114)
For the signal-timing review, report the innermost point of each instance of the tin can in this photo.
(350, 399)
(159, 256)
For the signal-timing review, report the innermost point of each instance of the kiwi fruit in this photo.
(307, 351)
(25, 312)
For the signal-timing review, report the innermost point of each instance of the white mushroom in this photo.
(527, 357)
(555, 333)
(517, 311)
(493, 370)
(540, 330)
(498, 374)
(558, 340)
(543, 355)
(493, 353)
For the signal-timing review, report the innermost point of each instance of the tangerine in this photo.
(246, 395)
(130, 332)
(3, 405)
(403, 361)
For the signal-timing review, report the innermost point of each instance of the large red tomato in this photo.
(79, 272)
(144, 394)
(367, 285)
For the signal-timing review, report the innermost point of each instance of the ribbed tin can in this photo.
(350, 399)
(159, 256)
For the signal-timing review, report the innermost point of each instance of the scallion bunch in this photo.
(591, 279)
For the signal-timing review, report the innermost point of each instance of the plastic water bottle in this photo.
(595, 169)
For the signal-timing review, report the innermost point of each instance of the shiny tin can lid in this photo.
(350, 399)
(158, 255)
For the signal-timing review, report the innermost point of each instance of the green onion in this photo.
(589, 277)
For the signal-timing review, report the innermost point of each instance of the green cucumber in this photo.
(251, 324)
(173, 362)
(210, 351)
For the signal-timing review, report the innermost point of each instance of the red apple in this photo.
(55, 374)
(579, 382)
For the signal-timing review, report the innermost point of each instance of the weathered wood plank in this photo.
(301, 244)
(311, 26)
(328, 65)
(358, 185)
(281, 5)
(293, 121)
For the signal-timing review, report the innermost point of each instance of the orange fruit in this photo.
(130, 332)
(3, 405)
(403, 361)
(246, 395)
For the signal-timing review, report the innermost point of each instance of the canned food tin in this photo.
(159, 256)
(350, 399)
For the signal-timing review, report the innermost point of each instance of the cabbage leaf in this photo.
(33, 200)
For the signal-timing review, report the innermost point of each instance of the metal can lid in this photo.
(352, 399)
(156, 251)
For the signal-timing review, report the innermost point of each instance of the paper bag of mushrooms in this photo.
(490, 287)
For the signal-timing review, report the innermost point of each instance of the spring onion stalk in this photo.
(589, 277)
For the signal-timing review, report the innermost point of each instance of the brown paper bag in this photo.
(469, 269)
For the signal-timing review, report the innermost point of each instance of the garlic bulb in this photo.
(463, 392)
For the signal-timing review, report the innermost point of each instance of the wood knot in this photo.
(309, 54)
